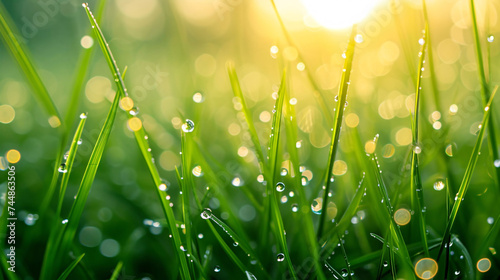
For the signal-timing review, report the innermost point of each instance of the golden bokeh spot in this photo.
(7, 114)
(13, 156)
(331, 210)
(352, 120)
(483, 265)
(402, 216)
(234, 129)
(403, 136)
(169, 160)
(54, 121)
(339, 168)
(126, 103)
(370, 147)
(265, 116)
(426, 268)
(134, 124)
(243, 151)
(388, 151)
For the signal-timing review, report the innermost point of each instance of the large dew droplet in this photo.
(216, 268)
(280, 257)
(188, 126)
(317, 205)
(280, 186)
(438, 185)
(206, 214)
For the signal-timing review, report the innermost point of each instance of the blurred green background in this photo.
(176, 51)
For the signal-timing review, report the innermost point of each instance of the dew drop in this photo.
(188, 126)
(65, 221)
(438, 185)
(280, 186)
(284, 172)
(280, 257)
(83, 116)
(491, 38)
(62, 168)
(295, 207)
(490, 220)
(216, 268)
(317, 205)
(206, 214)
(497, 163)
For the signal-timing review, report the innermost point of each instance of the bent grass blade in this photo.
(141, 139)
(468, 173)
(339, 114)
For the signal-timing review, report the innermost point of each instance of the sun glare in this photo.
(337, 14)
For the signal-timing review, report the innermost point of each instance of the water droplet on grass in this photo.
(497, 163)
(237, 182)
(188, 126)
(491, 38)
(216, 268)
(206, 214)
(295, 207)
(62, 168)
(284, 172)
(438, 185)
(280, 186)
(65, 221)
(280, 257)
(490, 220)
(317, 205)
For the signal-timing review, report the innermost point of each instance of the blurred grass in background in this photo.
(176, 51)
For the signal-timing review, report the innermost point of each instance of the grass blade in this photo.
(64, 241)
(468, 173)
(342, 97)
(68, 166)
(70, 268)
(8, 32)
(141, 139)
(116, 271)
(485, 93)
(235, 84)
(278, 229)
(417, 197)
(305, 209)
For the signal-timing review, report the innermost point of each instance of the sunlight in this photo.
(336, 14)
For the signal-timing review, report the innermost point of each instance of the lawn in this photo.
(268, 139)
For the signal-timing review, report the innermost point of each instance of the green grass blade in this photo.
(344, 254)
(272, 195)
(466, 270)
(235, 84)
(489, 239)
(334, 272)
(63, 243)
(417, 197)
(342, 98)
(317, 91)
(305, 210)
(468, 173)
(430, 60)
(141, 139)
(8, 33)
(186, 185)
(68, 166)
(70, 268)
(485, 93)
(116, 271)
